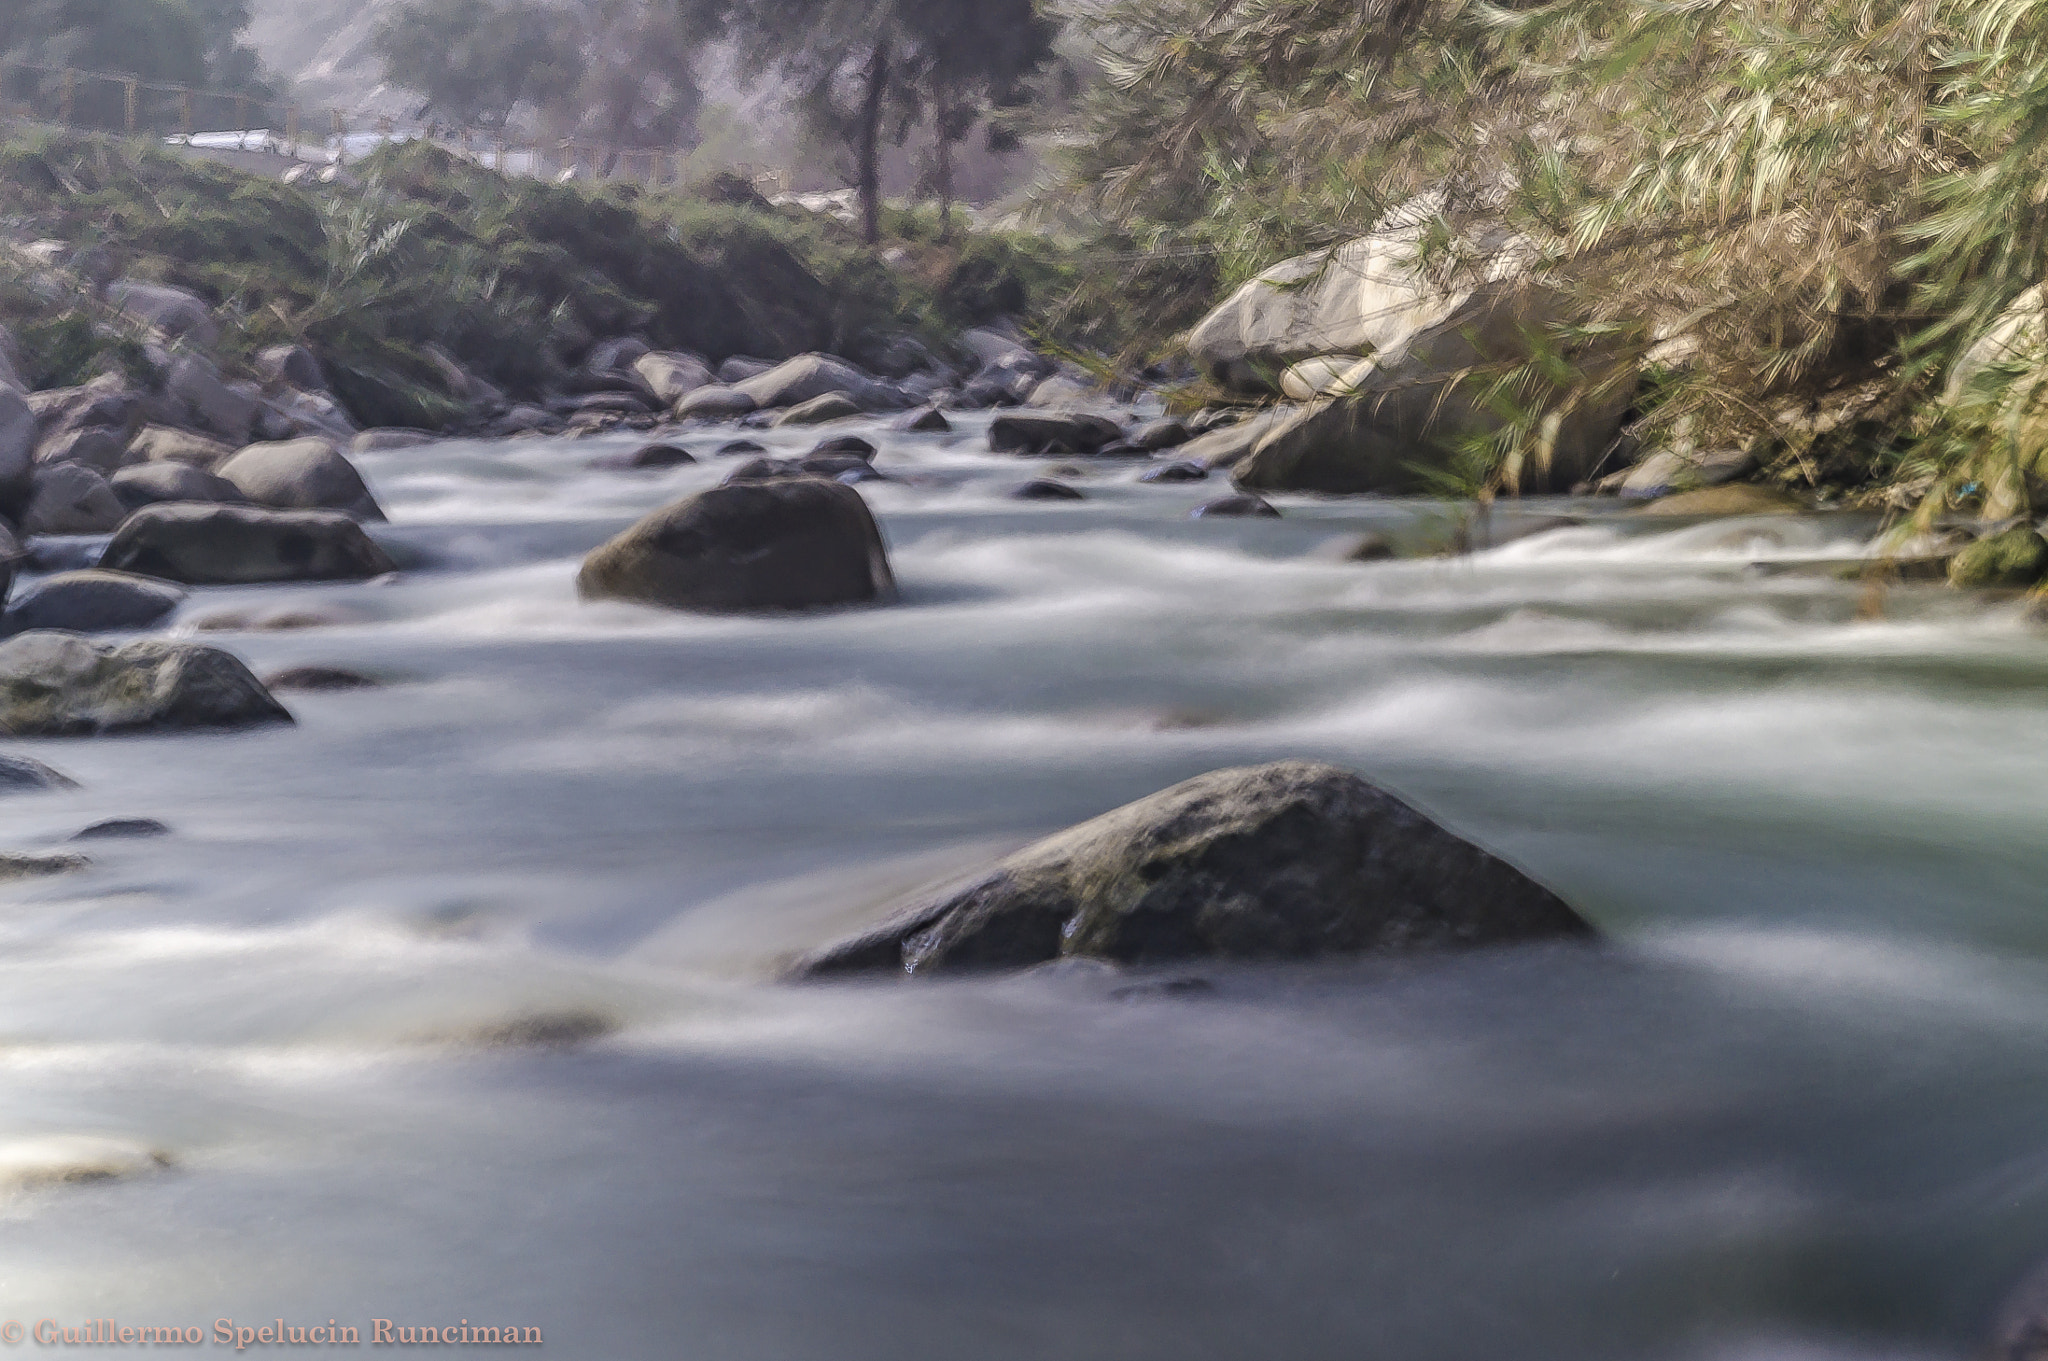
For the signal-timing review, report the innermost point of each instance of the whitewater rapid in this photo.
(1793, 1109)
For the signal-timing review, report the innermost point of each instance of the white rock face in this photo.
(1362, 298)
(673, 376)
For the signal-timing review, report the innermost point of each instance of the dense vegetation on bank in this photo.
(515, 278)
(1795, 216)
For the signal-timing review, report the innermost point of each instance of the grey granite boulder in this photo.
(1291, 860)
(203, 545)
(91, 601)
(61, 685)
(70, 498)
(1052, 433)
(147, 484)
(301, 474)
(786, 544)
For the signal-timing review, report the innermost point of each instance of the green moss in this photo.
(2017, 557)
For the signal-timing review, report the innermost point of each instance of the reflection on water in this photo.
(453, 1000)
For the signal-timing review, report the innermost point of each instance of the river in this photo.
(1795, 1108)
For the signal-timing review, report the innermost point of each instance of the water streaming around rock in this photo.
(1796, 1108)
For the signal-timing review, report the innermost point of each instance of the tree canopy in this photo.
(869, 70)
(474, 61)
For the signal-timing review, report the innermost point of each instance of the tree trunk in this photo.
(870, 143)
(945, 168)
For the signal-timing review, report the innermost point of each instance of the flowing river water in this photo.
(1797, 1107)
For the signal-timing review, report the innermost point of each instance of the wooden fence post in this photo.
(291, 129)
(128, 99)
(68, 98)
(186, 113)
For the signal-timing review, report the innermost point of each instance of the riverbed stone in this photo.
(833, 406)
(91, 601)
(1739, 498)
(203, 545)
(1238, 507)
(70, 498)
(1180, 470)
(301, 474)
(173, 313)
(716, 404)
(292, 365)
(1165, 433)
(386, 437)
(148, 484)
(24, 775)
(167, 444)
(1292, 860)
(2016, 557)
(17, 446)
(101, 448)
(672, 376)
(326, 679)
(1052, 433)
(1045, 489)
(194, 384)
(926, 420)
(786, 544)
(810, 376)
(56, 684)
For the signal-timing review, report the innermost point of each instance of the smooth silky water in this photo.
(1797, 1107)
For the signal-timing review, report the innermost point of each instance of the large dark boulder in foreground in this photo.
(1052, 433)
(1284, 861)
(204, 545)
(91, 601)
(785, 544)
(61, 685)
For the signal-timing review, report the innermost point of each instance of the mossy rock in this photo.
(1737, 498)
(2017, 557)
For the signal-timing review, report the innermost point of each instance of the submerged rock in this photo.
(386, 437)
(21, 775)
(844, 444)
(1052, 434)
(121, 829)
(648, 456)
(14, 866)
(92, 601)
(319, 678)
(1180, 470)
(61, 685)
(2017, 557)
(1167, 433)
(1045, 489)
(786, 544)
(1740, 498)
(1236, 508)
(1290, 860)
(58, 1159)
(927, 420)
(242, 545)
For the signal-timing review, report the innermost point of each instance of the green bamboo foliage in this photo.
(1796, 214)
